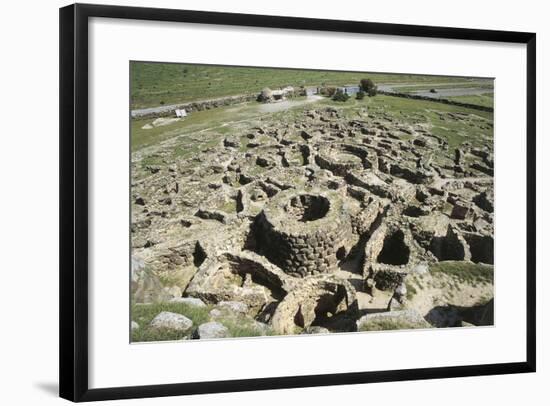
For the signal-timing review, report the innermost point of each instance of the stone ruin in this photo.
(304, 233)
(270, 96)
(308, 221)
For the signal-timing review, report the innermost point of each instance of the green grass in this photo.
(218, 120)
(144, 313)
(426, 111)
(238, 325)
(229, 207)
(464, 271)
(152, 160)
(154, 84)
(411, 290)
(486, 99)
(474, 83)
(389, 324)
(243, 328)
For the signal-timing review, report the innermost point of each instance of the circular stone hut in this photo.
(305, 233)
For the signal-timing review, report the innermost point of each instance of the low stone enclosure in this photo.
(314, 224)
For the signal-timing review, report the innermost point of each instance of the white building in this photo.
(181, 113)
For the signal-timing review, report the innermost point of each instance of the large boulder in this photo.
(171, 321)
(236, 307)
(211, 330)
(191, 301)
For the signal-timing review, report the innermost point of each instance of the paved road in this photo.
(450, 92)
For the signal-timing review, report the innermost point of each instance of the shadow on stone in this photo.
(459, 316)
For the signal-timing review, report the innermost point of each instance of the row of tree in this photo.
(366, 87)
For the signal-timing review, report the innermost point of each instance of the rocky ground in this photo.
(315, 220)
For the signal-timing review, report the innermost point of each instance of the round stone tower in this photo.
(304, 233)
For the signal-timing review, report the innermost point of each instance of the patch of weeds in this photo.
(465, 271)
(152, 160)
(482, 300)
(229, 207)
(387, 324)
(411, 290)
(243, 327)
(143, 314)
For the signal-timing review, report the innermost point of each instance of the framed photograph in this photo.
(258, 202)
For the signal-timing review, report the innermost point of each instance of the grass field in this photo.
(486, 99)
(154, 84)
(463, 84)
(219, 120)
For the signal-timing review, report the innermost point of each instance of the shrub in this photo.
(368, 87)
(340, 96)
(360, 95)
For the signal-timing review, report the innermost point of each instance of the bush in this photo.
(340, 96)
(360, 95)
(368, 87)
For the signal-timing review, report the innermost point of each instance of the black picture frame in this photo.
(73, 254)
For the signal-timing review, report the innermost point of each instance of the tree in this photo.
(340, 96)
(368, 87)
(360, 95)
